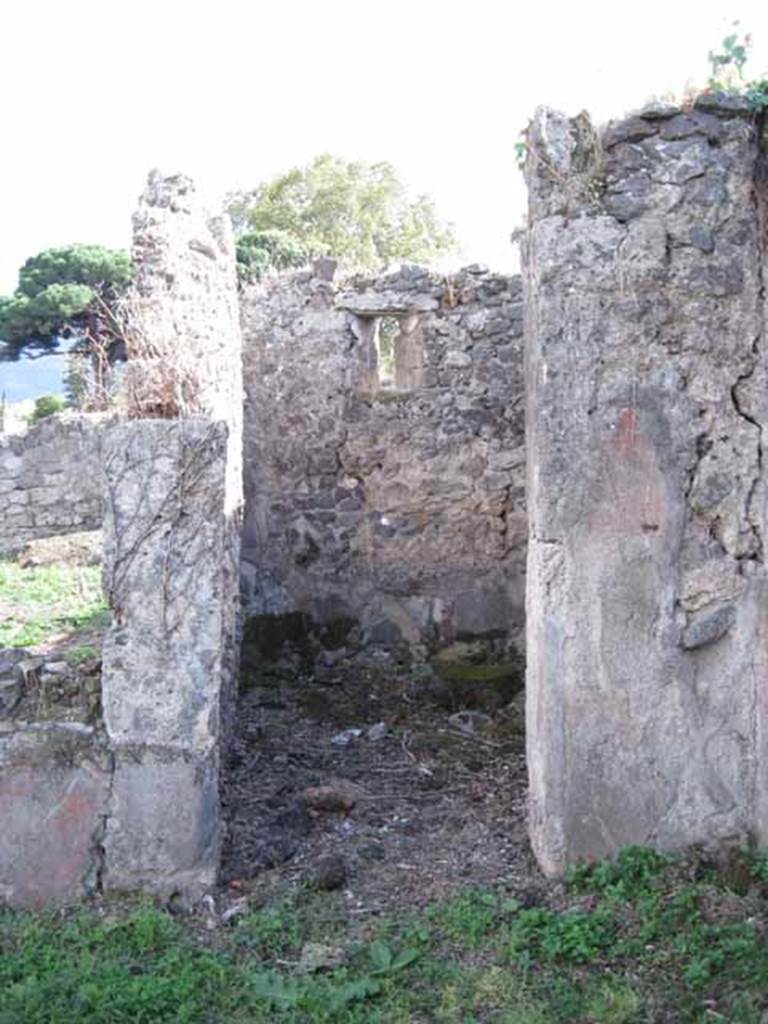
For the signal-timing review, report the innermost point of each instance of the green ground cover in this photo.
(646, 939)
(40, 603)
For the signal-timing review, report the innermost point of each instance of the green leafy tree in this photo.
(357, 212)
(46, 405)
(261, 251)
(70, 292)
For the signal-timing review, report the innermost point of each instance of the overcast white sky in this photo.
(97, 93)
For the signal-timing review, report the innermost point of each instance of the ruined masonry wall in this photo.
(399, 507)
(50, 480)
(55, 780)
(185, 310)
(646, 403)
(129, 798)
(165, 540)
(171, 556)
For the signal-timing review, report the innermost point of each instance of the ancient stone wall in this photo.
(183, 333)
(166, 535)
(50, 480)
(116, 786)
(646, 401)
(55, 781)
(384, 454)
(171, 552)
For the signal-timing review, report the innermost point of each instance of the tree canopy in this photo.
(64, 292)
(260, 251)
(357, 212)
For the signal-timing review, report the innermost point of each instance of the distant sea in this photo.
(30, 378)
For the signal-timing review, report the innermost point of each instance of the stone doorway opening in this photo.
(380, 716)
(373, 776)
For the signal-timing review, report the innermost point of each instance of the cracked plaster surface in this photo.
(646, 399)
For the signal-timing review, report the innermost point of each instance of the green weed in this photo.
(271, 932)
(470, 916)
(728, 66)
(643, 943)
(633, 872)
(41, 601)
(84, 652)
(574, 937)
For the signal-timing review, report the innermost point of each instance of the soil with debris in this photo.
(366, 779)
(81, 548)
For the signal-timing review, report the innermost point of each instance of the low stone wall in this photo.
(54, 797)
(395, 502)
(50, 480)
(55, 781)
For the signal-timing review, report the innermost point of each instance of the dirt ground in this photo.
(414, 800)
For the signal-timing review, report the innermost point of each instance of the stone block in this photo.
(176, 242)
(163, 830)
(54, 789)
(483, 611)
(167, 552)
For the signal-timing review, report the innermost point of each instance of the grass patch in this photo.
(40, 602)
(84, 652)
(480, 673)
(640, 940)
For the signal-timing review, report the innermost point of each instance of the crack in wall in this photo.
(93, 883)
(757, 554)
(703, 444)
(760, 202)
(760, 199)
